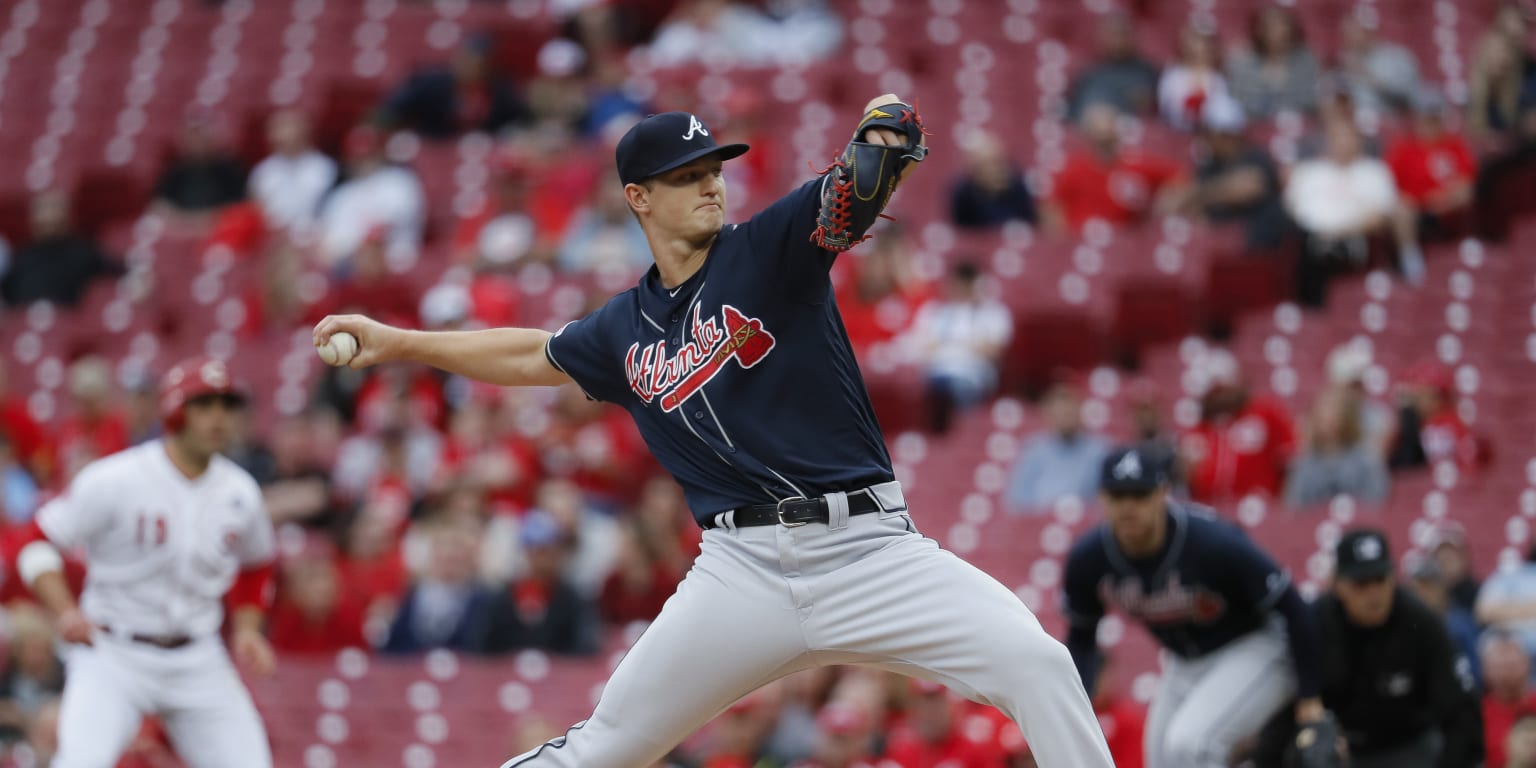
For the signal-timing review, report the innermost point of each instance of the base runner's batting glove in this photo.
(860, 182)
(1319, 745)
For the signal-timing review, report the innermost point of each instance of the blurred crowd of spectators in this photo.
(1385, 163)
(418, 510)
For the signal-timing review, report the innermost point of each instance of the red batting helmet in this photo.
(191, 379)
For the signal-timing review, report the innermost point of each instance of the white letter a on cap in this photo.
(694, 126)
(1129, 467)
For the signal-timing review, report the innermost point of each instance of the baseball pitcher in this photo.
(731, 357)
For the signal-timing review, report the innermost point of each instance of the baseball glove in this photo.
(1319, 745)
(861, 180)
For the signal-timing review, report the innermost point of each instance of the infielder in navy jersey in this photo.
(1239, 641)
(731, 357)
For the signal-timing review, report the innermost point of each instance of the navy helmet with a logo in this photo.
(669, 140)
(1135, 470)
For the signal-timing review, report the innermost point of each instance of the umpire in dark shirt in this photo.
(1391, 676)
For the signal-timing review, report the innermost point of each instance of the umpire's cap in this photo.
(1134, 470)
(662, 142)
(1363, 555)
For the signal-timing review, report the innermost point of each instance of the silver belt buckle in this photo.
(779, 508)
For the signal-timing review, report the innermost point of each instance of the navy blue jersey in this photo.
(1209, 586)
(741, 380)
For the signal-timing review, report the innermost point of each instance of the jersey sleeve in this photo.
(583, 351)
(76, 518)
(1256, 579)
(258, 545)
(784, 230)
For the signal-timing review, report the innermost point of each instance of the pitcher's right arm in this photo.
(508, 357)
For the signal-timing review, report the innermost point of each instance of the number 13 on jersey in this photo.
(150, 530)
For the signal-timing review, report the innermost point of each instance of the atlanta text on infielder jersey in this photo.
(166, 529)
(1239, 641)
(731, 357)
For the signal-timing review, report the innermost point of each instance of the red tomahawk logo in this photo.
(746, 341)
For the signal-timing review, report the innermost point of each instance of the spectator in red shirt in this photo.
(641, 580)
(737, 736)
(1434, 168)
(28, 443)
(842, 739)
(877, 294)
(97, 427)
(500, 231)
(595, 447)
(371, 564)
(1106, 181)
(482, 453)
(313, 614)
(1506, 682)
(659, 544)
(1430, 431)
(1242, 443)
(933, 737)
(369, 287)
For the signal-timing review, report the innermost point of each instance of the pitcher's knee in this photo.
(1036, 665)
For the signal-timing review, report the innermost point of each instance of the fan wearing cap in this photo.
(1403, 695)
(1429, 428)
(731, 357)
(1240, 642)
(1236, 181)
(171, 532)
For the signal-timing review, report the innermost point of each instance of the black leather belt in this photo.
(793, 513)
(163, 642)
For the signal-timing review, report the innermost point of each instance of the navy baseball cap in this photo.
(1362, 555)
(1135, 470)
(662, 142)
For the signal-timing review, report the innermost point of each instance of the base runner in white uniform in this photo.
(166, 529)
(732, 360)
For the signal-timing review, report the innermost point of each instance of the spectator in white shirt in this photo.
(1380, 76)
(602, 235)
(375, 194)
(1196, 80)
(1339, 200)
(1060, 460)
(739, 33)
(960, 338)
(289, 183)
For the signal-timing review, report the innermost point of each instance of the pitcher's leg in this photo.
(725, 633)
(915, 608)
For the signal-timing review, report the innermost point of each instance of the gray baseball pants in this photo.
(1203, 707)
(763, 602)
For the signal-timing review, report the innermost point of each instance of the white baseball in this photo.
(339, 349)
